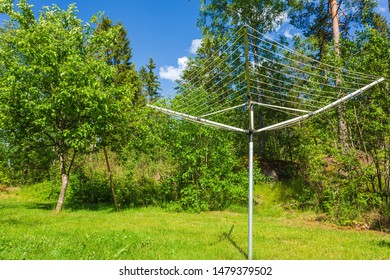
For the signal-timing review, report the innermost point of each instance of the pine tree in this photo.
(150, 82)
(315, 18)
(119, 54)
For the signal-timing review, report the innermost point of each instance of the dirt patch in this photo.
(378, 221)
(372, 221)
(4, 189)
(12, 189)
(7, 191)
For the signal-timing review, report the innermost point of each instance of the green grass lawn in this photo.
(29, 230)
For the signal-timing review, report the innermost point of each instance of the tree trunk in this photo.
(65, 183)
(343, 129)
(335, 25)
(342, 126)
(110, 176)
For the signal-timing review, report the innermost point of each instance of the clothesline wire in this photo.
(284, 100)
(299, 69)
(205, 99)
(209, 61)
(297, 86)
(301, 79)
(293, 89)
(308, 65)
(259, 88)
(310, 58)
(210, 79)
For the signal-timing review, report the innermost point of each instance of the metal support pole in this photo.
(251, 131)
(250, 189)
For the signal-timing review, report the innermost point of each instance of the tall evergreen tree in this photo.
(315, 18)
(150, 82)
(119, 54)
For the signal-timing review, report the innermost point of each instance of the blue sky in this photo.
(163, 29)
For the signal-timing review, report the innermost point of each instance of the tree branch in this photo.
(71, 162)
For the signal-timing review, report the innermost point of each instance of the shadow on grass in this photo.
(51, 205)
(227, 236)
(25, 205)
(42, 206)
(91, 207)
(383, 243)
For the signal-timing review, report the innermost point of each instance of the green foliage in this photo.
(111, 42)
(338, 185)
(150, 82)
(58, 92)
(315, 20)
(218, 16)
(44, 193)
(137, 182)
(348, 186)
(89, 191)
(209, 175)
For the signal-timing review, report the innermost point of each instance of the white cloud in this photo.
(289, 35)
(174, 73)
(195, 45)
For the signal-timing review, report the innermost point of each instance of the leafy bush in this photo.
(44, 192)
(338, 186)
(211, 194)
(89, 190)
(4, 178)
(134, 184)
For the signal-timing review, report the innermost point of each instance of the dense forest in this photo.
(74, 123)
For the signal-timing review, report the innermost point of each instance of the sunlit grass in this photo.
(31, 230)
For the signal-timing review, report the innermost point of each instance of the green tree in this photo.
(208, 174)
(150, 82)
(370, 53)
(118, 54)
(327, 21)
(348, 184)
(221, 16)
(57, 91)
(315, 18)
